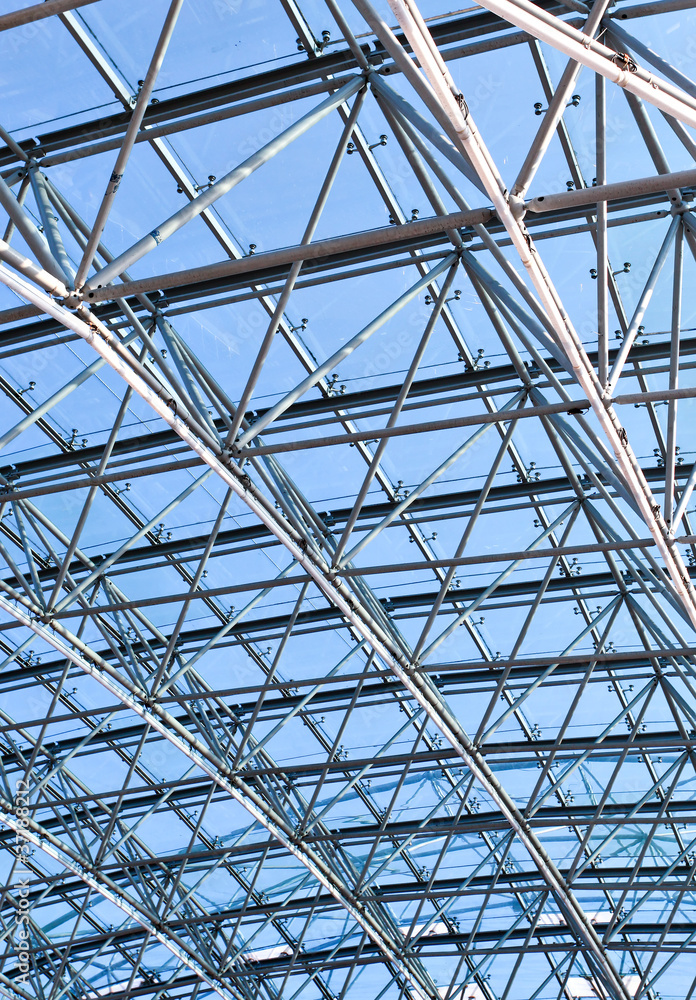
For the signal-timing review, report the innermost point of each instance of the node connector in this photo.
(518, 206)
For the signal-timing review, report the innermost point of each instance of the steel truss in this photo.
(341, 655)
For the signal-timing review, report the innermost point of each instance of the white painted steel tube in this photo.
(645, 52)
(596, 57)
(418, 686)
(334, 591)
(583, 371)
(47, 281)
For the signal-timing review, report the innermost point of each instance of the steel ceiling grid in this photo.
(225, 691)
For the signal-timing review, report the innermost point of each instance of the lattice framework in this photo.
(279, 616)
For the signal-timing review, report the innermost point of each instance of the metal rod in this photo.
(265, 346)
(150, 132)
(278, 258)
(37, 244)
(418, 686)
(595, 56)
(49, 282)
(602, 241)
(643, 303)
(14, 146)
(193, 392)
(506, 413)
(128, 140)
(21, 196)
(38, 11)
(50, 225)
(390, 235)
(556, 108)
(671, 447)
(571, 407)
(645, 52)
(84, 513)
(394, 415)
(470, 525)
(223, 186)
(610, 192)
(347, 349)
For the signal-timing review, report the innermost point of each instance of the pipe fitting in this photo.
(518, 207)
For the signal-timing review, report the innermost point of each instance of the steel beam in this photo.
(419, 687)
(37, 11)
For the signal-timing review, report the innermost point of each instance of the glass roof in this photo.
(347, 625)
